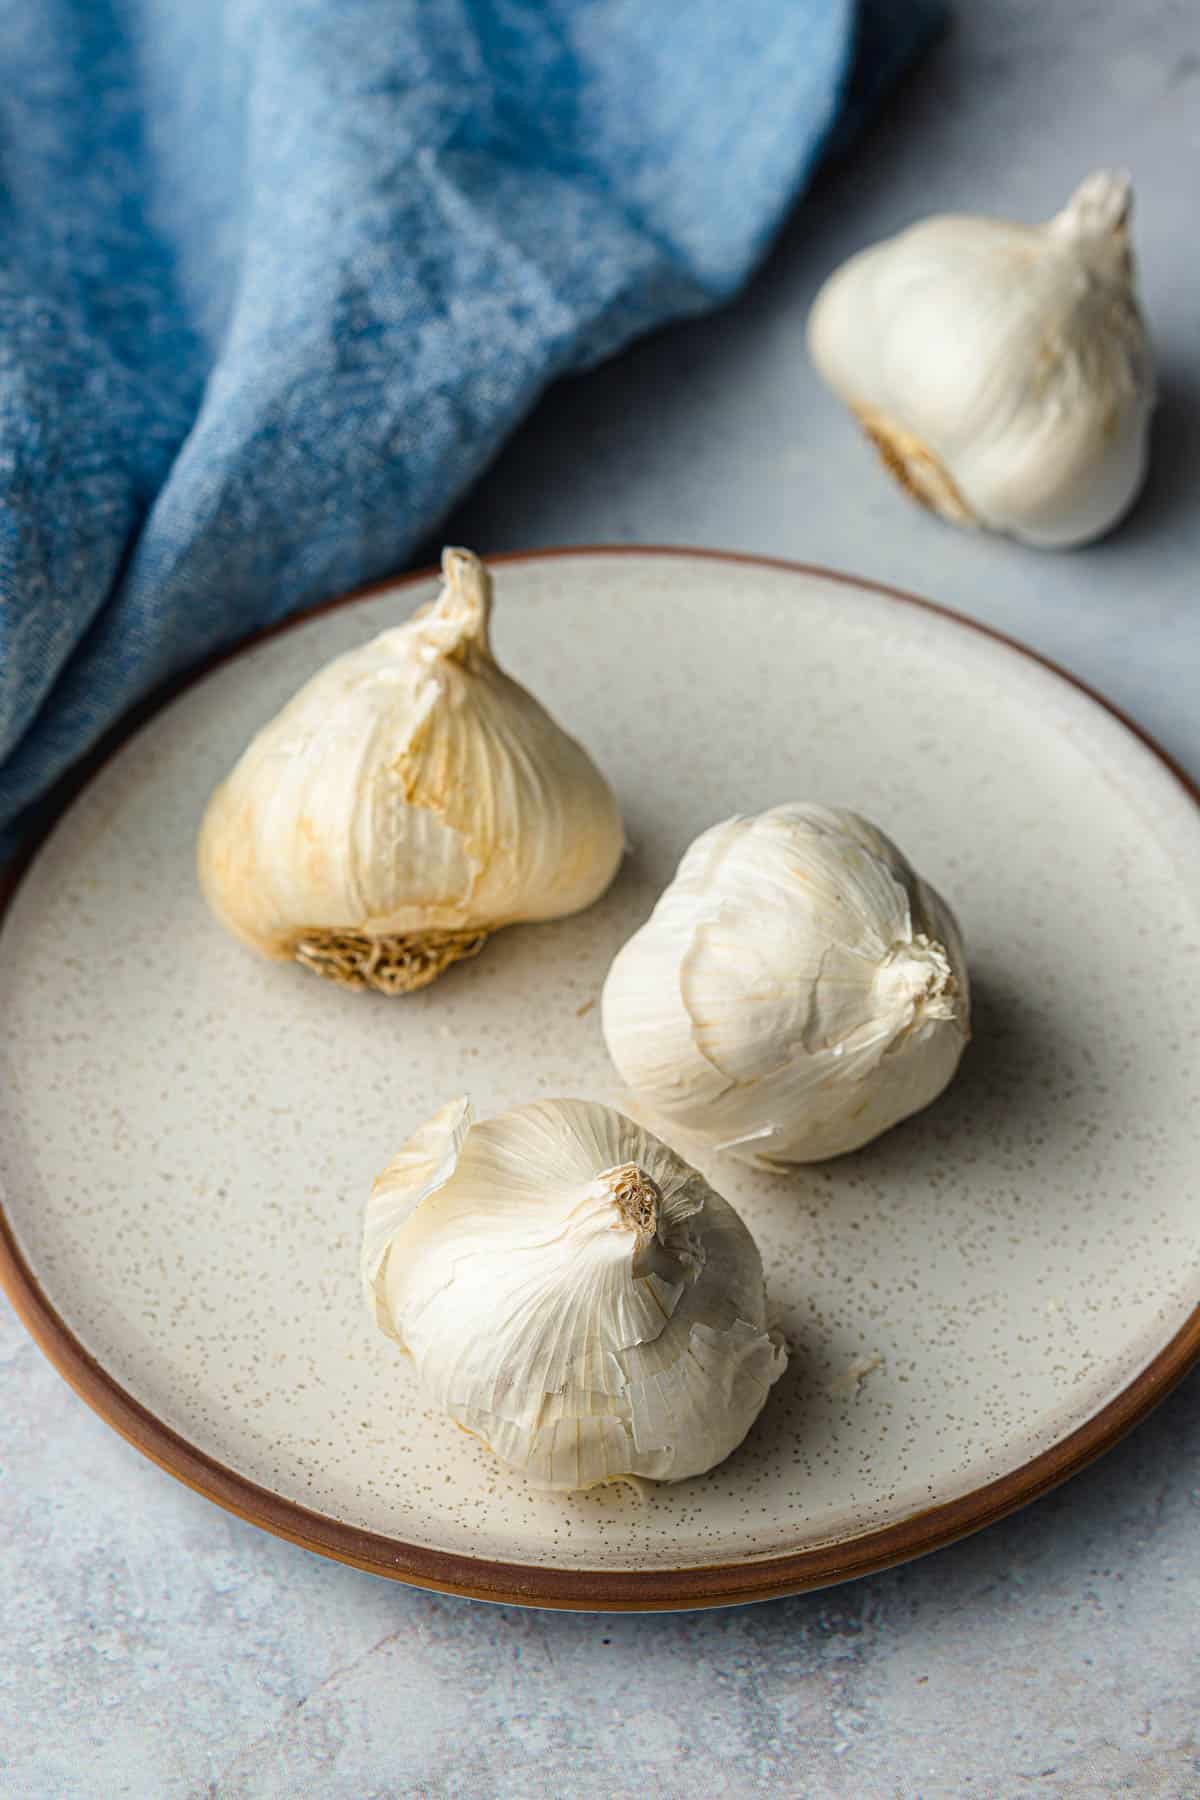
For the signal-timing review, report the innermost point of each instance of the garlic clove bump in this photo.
(1003, 371)
(797, 990)
(410, 799)
(571, 1292)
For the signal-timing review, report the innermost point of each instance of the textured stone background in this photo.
(152, 1646)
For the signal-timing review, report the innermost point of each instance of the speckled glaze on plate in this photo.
(977, 1304)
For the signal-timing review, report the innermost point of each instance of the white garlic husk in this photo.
(571, 1292)
(1003, 371)
(408, 801)
(797, 990)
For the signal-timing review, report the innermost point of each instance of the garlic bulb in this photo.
(1003, 371)
(796, 991)
(571, 1292)
(410, 799)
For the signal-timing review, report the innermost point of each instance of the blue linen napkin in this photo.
(278, 277)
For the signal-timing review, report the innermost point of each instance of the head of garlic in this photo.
(571, 1292)
(797, 990)
(410, 799)
(1003, 371)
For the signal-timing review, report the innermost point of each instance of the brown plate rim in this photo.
(609, 1590)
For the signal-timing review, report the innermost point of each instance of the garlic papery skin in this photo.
(409, 799)
(1003, 371)
(572, 1292)
(797, 990)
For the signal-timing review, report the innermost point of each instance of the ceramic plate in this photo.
(977, 1304)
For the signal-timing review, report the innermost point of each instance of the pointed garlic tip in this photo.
(465, 602)
(636, 1198)
(1100, 206)
(915, 986)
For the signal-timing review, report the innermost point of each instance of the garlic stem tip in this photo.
(466, 597)
(917, 980)
(637, 1197)
(1101, 205)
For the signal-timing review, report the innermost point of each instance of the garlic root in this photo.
(916, 468)
(391, 965)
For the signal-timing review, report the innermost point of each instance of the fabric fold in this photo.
(280, 277)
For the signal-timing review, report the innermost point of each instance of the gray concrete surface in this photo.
(152, 1646)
